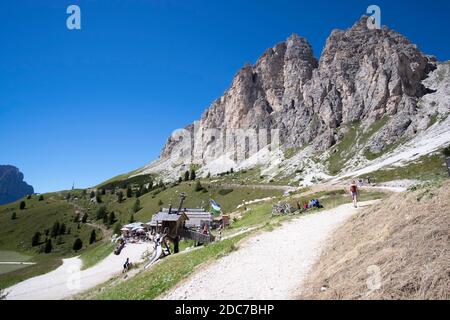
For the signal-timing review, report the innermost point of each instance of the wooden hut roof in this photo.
(166, 216)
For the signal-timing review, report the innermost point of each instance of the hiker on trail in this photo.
(126, 265)
(354, 193)
(205, 229)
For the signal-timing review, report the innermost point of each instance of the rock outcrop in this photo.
(363, 75)
(12, 186)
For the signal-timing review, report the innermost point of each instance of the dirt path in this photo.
(327, 186)
(69, 279)
(270, 265)
(107, 233)
(340, 186)
(252, 186)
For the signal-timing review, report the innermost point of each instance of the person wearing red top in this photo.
(353, 189)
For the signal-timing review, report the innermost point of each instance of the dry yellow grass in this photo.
(397, 249)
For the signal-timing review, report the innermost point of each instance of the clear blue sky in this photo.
(86, 105)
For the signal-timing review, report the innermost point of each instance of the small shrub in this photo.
(62, 229)
(119, 197)
(93, 237)
(36, 240)
(55, 230)
(224, 192)
(77, 244)
(117, 228)
(198, 186)
(48, 246)
(137, 205)
(111, 218)
(101, 213)
(446, 151)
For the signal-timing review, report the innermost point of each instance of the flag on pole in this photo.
(215, 207)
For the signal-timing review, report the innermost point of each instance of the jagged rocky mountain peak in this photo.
(363, 76)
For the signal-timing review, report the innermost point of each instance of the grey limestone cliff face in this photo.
(12, 186)
(362, 76)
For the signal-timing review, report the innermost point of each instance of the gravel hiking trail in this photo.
(269, 265)
(69, 279)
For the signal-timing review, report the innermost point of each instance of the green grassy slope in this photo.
(16, 234)
(344, 150)
(39, 216)
(96, 254)
(429, 167)
(229, 199)
(12, 256)
(355, 139)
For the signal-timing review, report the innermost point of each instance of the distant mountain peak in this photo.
(12, 185)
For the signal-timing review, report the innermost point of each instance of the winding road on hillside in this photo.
(312, 189)
(107, 233)
(69, 279)
(270, 265)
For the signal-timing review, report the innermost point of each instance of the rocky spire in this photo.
(362, 75)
